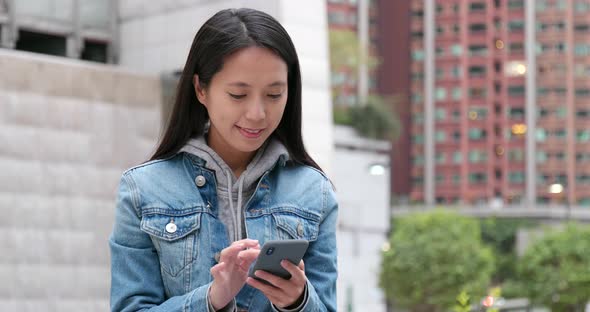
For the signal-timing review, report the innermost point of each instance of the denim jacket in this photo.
(167, 234)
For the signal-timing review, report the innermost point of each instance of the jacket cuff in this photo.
(230, 307)
(301, 307)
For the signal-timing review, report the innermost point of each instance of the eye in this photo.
(275, 96)
(237, 96)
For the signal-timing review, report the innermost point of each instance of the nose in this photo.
(255, 110)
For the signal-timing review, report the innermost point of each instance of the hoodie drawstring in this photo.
(238, 210)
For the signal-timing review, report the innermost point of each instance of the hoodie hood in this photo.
(231, 191)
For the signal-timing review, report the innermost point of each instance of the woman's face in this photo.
(245, 101)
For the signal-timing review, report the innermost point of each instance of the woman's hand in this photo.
(229, 275)
(282, 293)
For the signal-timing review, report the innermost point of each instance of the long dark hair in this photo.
(224, 33)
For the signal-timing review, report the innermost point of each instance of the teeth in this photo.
(251, 131)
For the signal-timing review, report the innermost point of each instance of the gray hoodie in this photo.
(231, 203)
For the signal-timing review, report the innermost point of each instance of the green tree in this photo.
(375, 119)
(556, 269)
(433, 257)
(500, 234)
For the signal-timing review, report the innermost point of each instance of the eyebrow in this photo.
(243, 84)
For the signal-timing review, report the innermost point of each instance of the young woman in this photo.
(230, 173)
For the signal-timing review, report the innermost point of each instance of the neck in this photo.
(237, 161)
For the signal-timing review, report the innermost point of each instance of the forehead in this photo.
(253, 66)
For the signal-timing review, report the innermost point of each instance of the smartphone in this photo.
(273, 252)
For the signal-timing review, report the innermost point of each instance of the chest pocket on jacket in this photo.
(295, 224)
(175, 236)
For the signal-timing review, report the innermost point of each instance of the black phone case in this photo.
(292, 250)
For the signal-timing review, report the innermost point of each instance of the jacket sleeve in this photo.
(136, 283)
(320, 260)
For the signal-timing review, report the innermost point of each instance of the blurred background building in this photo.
(499, 101)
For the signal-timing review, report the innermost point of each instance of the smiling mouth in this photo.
(250, 133)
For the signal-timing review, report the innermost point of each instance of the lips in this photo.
(250, 133)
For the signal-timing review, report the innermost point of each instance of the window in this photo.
(541, 157)
(582, 157)
(456, 179)
(477, 28)
(516, 91)
(560, 47)
(515, 4)
(581, 27)
(582, 49)
(583, 135)
(583, 178)
(418, 160)
(418, 55)
(417, 98)
(516, 177)
(440, 94)
(439, 73)
(440, 136)
(582, 92)
(478, 177)
(477, 156)
(516, 113)
(516, 47)
(418, 139)
(477, 71)
(477, 7)
(440, 158)
(581, 6)
(541, 135)
(582, 113)
(456, 93)
(440, 114)
(478, 50)
(477, 134)
(440, 179)
(418, 118)
(456, 50)
(457, 157)
(516, 25)
(542, 112)
(456, 71)
(457, 136)
(561, 112)
(477, 93)
(516, 155)
(560, 133)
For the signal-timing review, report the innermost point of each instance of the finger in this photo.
(276, 281)
(301, 265)
(273, 294)
(296, 272)
(248, 243)
(216, 269)
(247, 257)
(263, 287)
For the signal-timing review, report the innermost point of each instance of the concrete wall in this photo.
(363, 219)
(68, 129)
(156, 39)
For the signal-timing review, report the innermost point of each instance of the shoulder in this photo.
(305, 185)
(164, 182)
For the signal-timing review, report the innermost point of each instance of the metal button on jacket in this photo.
(171, 227)
(200, 181)
(300, 229)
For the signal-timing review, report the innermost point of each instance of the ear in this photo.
(199, 90)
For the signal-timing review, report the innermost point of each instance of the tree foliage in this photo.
(433, 257)
(556, 269)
